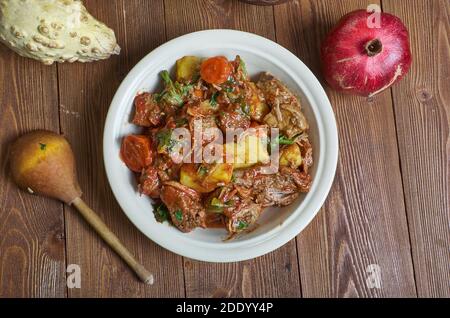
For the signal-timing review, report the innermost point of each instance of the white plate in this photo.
(277, 225)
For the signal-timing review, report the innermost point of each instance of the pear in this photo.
(42, 163)
(55, 31)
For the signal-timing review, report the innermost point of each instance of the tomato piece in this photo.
(215, 70)
(136, 152)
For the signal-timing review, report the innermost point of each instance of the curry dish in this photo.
(208, 98)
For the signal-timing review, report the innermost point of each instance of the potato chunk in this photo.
(205, 178)
(258, 106)
(249, 151)
(220, 173)
(187, 67)
(291, 156)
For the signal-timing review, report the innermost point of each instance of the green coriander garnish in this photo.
(186, 88)
(218, 206)
(216, 202)
(161, 213)
(42, 146)
(158, 96)
(242, 225)
(231, 81)
(213, 101)
(173, 92)
(243, 67)
(228, 89)
(165, 141)
(283, 140)
(166, 77)
(179, 215)
(202, 171)
(245, 108)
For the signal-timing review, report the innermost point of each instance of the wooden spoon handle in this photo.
(109, 237)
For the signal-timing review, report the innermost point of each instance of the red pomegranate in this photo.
(360, 58)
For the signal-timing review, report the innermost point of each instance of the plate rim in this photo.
(264, 243)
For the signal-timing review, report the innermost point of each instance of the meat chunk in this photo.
(233, 117)
(278, 189)
(239, 70)
(149, 183)
(255, 99)
(303, 180)
(244, 215)
(167, 169)
(233, 202)
(285, 111)
(205, 127)
(184, 205)
(288, 119)
(147, 111)
(306, 151)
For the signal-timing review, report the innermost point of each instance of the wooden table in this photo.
(389, 204)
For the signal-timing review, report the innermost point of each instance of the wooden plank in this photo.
(422, 113)
(275, 274)
(363, 221)
(217, 14)
(85, 92)
(32, 258)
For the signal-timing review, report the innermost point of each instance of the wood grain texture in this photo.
(422, 112)
(86, 91)
(275, 274)
(393, 170)
(32, 258)
(363, 221)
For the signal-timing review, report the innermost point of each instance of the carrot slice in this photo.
(198, 93)
(215, 70)
(136, 152)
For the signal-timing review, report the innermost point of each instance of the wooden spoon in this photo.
(42, 162)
